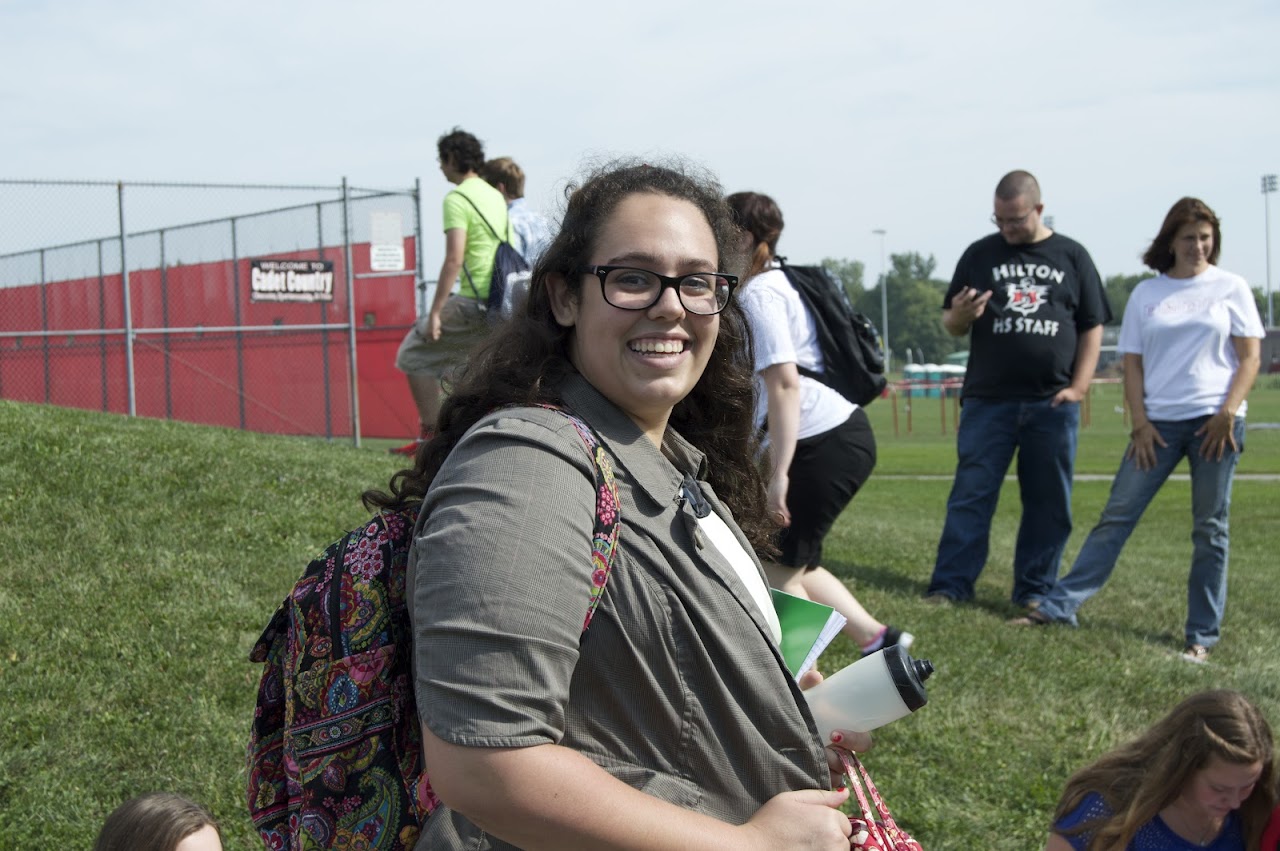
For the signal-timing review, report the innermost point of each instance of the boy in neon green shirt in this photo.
(440, 340)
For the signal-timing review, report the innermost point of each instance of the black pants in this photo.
(825, 474)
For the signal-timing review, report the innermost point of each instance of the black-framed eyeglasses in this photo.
(628, 288)
(1015, 221)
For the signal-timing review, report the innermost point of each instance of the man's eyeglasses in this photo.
(1015, 221)
(703, 293)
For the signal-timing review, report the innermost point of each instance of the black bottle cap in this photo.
(908, 676)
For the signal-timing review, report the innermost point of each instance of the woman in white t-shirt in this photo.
(1191, 343)
(821, 447)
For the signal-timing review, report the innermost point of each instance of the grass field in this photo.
(144, 557)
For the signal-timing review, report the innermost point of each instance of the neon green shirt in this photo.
(481, 242)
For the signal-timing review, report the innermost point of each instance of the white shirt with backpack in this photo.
(782, 331)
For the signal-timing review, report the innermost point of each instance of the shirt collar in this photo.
(659, 473)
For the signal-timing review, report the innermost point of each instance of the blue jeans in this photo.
(1045, 440)
(1131, 493)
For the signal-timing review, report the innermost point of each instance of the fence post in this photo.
(165, 339)
(105, 376)
(235, 285)
(324, 332)
(351, 314)
(44, 326)
(419, 285)
(128, 309)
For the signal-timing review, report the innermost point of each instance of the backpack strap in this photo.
(608, 519)
(470, 281)
(820, 377)
(464, 197)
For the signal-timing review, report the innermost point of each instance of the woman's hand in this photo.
(1142, 446)
(1218, 433)
(777, 498)
(808, 820)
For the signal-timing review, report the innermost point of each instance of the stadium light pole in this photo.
(1268, 186)
(884, 303)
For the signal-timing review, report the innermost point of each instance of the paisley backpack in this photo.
(335, 754)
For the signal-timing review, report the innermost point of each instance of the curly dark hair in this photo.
(464, 151)
(525, 360)
(1185, 211)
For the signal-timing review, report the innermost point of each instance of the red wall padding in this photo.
(276, 384)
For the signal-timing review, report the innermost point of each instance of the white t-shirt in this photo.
(783, 332)
(1183, 327)
(723, 540)
(728, 545)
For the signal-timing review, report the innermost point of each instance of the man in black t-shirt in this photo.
(1033, 304)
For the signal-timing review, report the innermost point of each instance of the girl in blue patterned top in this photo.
(1202, 777)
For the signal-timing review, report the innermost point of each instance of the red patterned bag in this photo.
(872, 831)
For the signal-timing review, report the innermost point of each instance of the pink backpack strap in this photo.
(608, 517)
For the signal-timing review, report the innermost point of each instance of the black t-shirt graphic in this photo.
(1043, 295)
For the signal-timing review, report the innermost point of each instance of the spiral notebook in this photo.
(807, 629)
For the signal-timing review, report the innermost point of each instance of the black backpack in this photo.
(851, 355)
(509, 283)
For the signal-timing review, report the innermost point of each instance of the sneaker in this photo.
(1197, 653)
(892, 635)
(409, 449)
(937, 598)
(1033, 617)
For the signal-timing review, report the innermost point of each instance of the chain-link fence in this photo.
(254, 307)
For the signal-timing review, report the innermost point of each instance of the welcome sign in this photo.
(291, 280)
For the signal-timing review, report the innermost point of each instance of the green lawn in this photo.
(144, 557)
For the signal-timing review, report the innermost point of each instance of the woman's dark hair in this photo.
(154, 822)
(1187, 211)
(525, 360)
(1139, 779)
(758, 215)
(464, 151)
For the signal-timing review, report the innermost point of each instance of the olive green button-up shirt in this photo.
(676, 689)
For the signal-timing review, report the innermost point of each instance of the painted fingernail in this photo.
(837, 738)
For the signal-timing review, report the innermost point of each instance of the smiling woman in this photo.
(673, 720)
(645, 358)
(1191, 341)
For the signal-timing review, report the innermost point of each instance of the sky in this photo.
(855, 116)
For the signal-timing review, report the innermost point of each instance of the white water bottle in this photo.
(870, 693)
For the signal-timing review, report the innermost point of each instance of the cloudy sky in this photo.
(855, 115)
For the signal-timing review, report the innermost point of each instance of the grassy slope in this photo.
(144, 557)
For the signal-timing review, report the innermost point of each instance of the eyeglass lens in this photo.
(1015, 220)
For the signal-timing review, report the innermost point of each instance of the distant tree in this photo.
(1118, 289)
(1260, 298)
(915, 308)
(849, 273)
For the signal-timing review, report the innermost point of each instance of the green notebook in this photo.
(807, 629)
